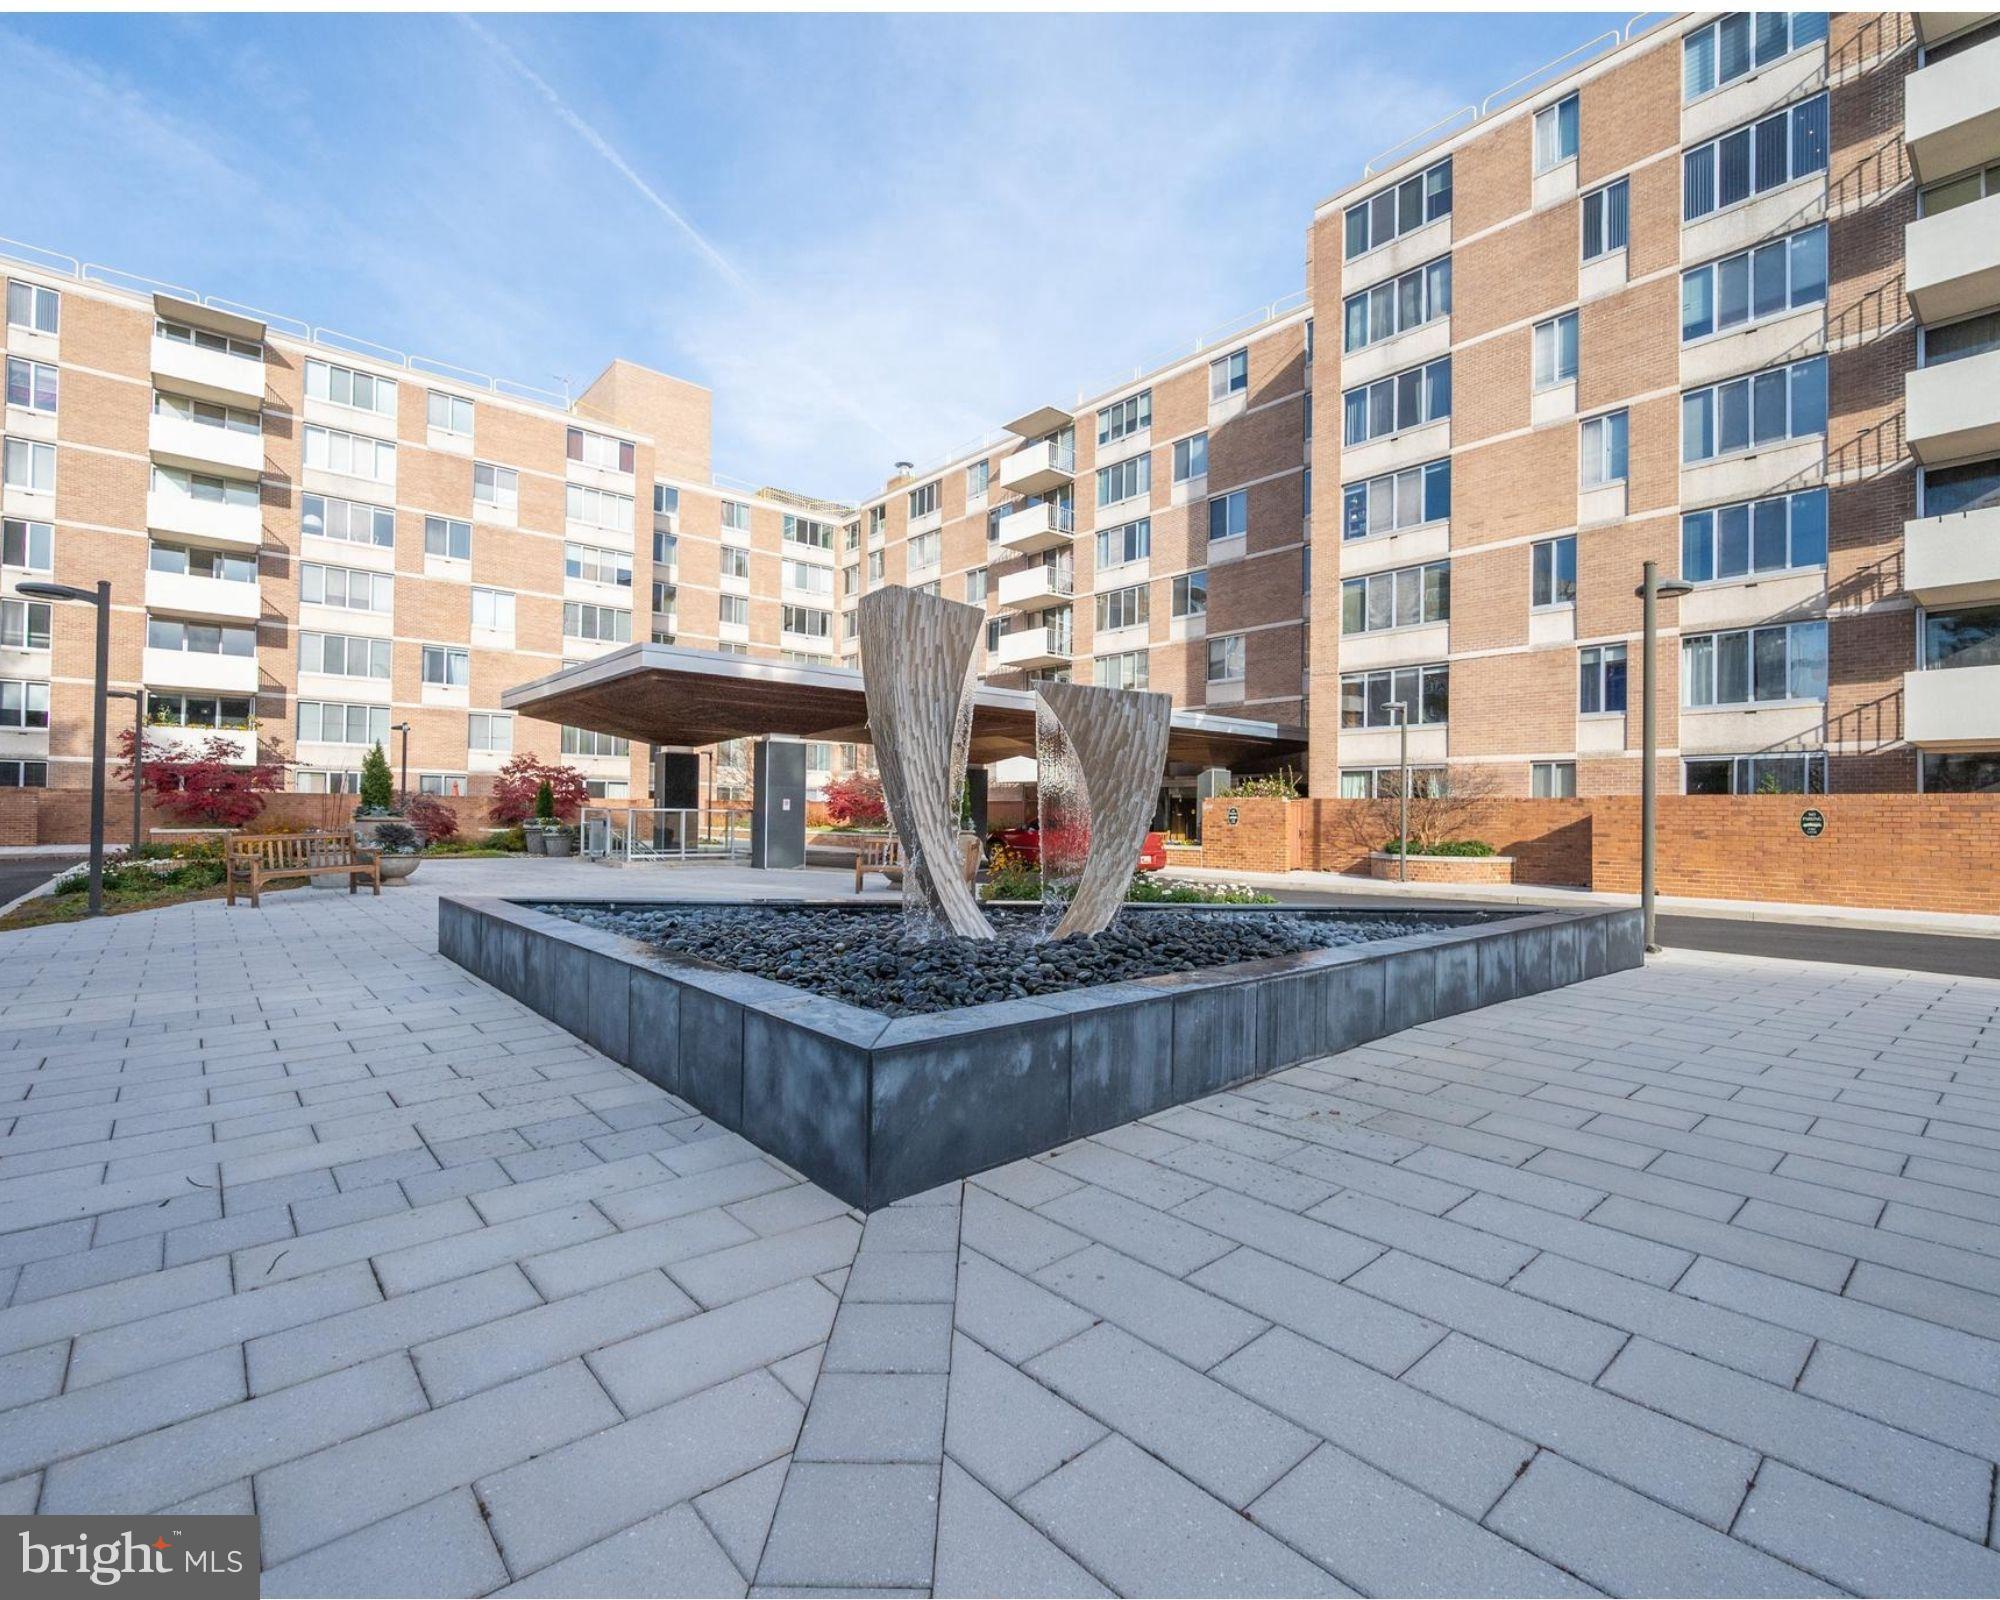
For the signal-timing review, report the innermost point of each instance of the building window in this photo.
(1191, 594)
(1552, 572)
(28, 544)
(1601, 679)
(1959, 341)
(1555, 350)
(327, 722)
(1123, 418)
(1968, 638)
(31, 385)
(1191, 457)
(442, 783)
(1606, 219)
(813, 535)
(597, 508)
(1407, 399)
(190, 561)
(334, 654)
(1601, 445)
(495, 487)
(1552, 780)
(600, 450)
(1386, 783)
(589, 564)
(807, 622)
(29, 464)
(735, 517)
(23, 705)
(1369, 224)
(1127, 670)
(33, 308)
(994, 629)
(1126, 543)
(1733, 46)
(666, 549)
(733, 610)
(343, 386)
(493, 610)
(875, 568)
(346, 520)
(735, 563)
(878, 517)
(446, 667)
(1556, 130)
(1764, 155)
(1977, 773)
(1775, 535)
(665, 597)
(606, 624)
(209, 414)
(24, 774)
(447, 538)
(1228, 375)
(804, 576)
(975, 587)
(351, 454)
(207, 639)
(1763, 408)
(1958, 191)
(1229, 515)
(1420, 295)
(24, 624)
(923, 500)
(197, 711)
(1122, 608)
(343, 587)
(1767, 281)
(977, 476)
(448, 413)
(1786, 662)
(489, 730)
(205, 339)
(588, 742)
(666, 501)
(1365, 697)
(205, 489)
(1124, 480)
(1406, 598)
(926, 550)
(1803, 773)
(1969, 486)
(1225, 659)
(1396, 500)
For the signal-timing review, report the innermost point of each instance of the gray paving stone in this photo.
(746, 1269)
(890, 1338)
(1305, 1242)
(87, 1268)
(1008, 1313)
(1737, 1241)
(237, 1230)
(18, 1496)
(357, 1241)
(1150, 1235)
(384, 1169)
(428, 1188)
(1858, 1543)
(1646, 1186)
(1018, 1239)
(603, 1256)
(1498, 1317)
(30, 1375)
(351, 1205)
(818, 1542)
(1948, 1413)
(1007, 1429)
(1192, 1326)
(739, 1514)
(1341, 1318)
(984, 1548)
(179, 1211)
(711, 1347)
(1025, 1183)
(72, 1424)
(782, 1210)
(675, 1196)
(669, 1554)
(1586, 1240)
(439, 1548)
(874, 1416)
(107, 1305)
(567, 1188)
(909, 1277)
(1292, 1189)
(1143, 1529)
(1095, 1162)
(51, 1239)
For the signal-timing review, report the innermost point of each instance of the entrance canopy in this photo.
(670, 695)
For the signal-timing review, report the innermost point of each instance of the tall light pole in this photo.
(1651, 590)
(138, 699)
(403, 796)
(1402, 711)
(101, 598)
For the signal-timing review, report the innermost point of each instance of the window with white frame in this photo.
(1751, 160)
(804, 531)
(1225, 659)
(1367, 698)
(1386, 783)
(1801, 773)
(497, 488)
(1600, 685)
(442, 783)
(1403, 208)
(33, 308)
(878, 520)
(28, 544)
(345, 587)
(1768, 280)
(353, 455)
(805, 576)
(1943, 343)
(1122, 608)
(349, 521)
(666, 501)
(344, 386)
(1229, 515)
(24, 774)
(606, 624)
(1744, 666)
(1421, 295)
(735, 516)
(1126, 670)
(807, 622)
(316, 782)
(1607, 221)
(448, 538)
(1123, 418)
(1602, 449)
(875, 568)
(1126, 543)
(600, 450)
(1761, 408)
(206, 339)
(207, 489)
(1555, 350)
(1191, 594)
(1779, 534)
(597, 508)
(23, 704)
(666, 549)
(588, 742)
(1552, 572)
(333, 722)
(210, 414)
(1407, 597)
(32, 385)
(666, 597)
(198, 561)
(24, 624)
(1406, 399)
(1396, 500)
(1966, 486)
(1736, 45)
(589, 564)
(448, 413)
(1124, 480)
(29, 464)
(1552, 780)
(1556, 131)
(340, 655)
(493, 610)
(733, 610)
(200, 638)
(446, 666)
(975, 587)
(923, 500)
(926, 550)
(977, 476)
(230, 712)
(1191, 457)
(1228, 375)
(489, 730)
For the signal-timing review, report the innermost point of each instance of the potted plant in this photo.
(559, 840)
(538, 829)
(400, 847)
(378, 796)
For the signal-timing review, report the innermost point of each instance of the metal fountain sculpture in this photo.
(1101, 753)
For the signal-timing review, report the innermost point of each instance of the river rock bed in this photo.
(869, 958)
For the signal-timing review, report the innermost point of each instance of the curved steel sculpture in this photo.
(1118, 741)
(918, 654)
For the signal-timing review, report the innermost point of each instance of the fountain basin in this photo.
(876, 1107)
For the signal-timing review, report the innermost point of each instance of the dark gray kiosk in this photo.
(778, 804)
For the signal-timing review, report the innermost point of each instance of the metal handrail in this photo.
(626, 834)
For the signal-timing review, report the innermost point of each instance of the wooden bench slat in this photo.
(249, 859)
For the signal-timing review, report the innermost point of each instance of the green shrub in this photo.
(378, 788)
(1442, 847)
(1280, 785)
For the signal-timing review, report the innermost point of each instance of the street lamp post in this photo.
(1651, 590)
(1402, 710)
(138, 699)
(403, 794)
(101, 598)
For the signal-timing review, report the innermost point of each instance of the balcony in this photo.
(221, 599)
(1040, 421)
(210, 520)
(1038, 525)
(175, 741)
(1039, 468)
(200, 447)
(1954, 560)
(1952, 708)
(212, 374)
(1953, 411)
(1952, 261)
(1037, 588)
(1951, 113)
(191, 669)
(1029, 648)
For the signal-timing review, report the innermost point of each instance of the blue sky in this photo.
(872, 237)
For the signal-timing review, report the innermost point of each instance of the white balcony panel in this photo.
(1953, 411)
(188, 596)
(1951, 113)
(1745, 99)
(1952, 708)
(1748, 602)
(1556, 403)
(1731, 730)
(1038, 468)
(1035, 588)
(241, 743)
(1430, 541)
(1724, 355)
(350, 419)
(1395, 647)
(1952, 261)
(207, 520)
(1605, 274)
(1381, 747)
(1033, 647)
(208, 374)
(1953, 560)
(189, 669)
(178, 442)
(1034, 527)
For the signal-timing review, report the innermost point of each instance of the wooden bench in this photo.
(885, 856)
(251, 860)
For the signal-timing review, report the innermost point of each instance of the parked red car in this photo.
(1026, 844)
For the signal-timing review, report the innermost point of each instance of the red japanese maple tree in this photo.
(513, 800)
(204, 782)
(854, 800)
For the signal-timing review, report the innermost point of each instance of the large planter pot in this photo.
(1442, 869)
(558, 844)
(535, 840)
(396, 868)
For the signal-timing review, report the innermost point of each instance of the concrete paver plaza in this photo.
(1681, 1281)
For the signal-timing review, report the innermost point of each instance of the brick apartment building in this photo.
(1724, 295)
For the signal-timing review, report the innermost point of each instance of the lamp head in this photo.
(57, 591)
